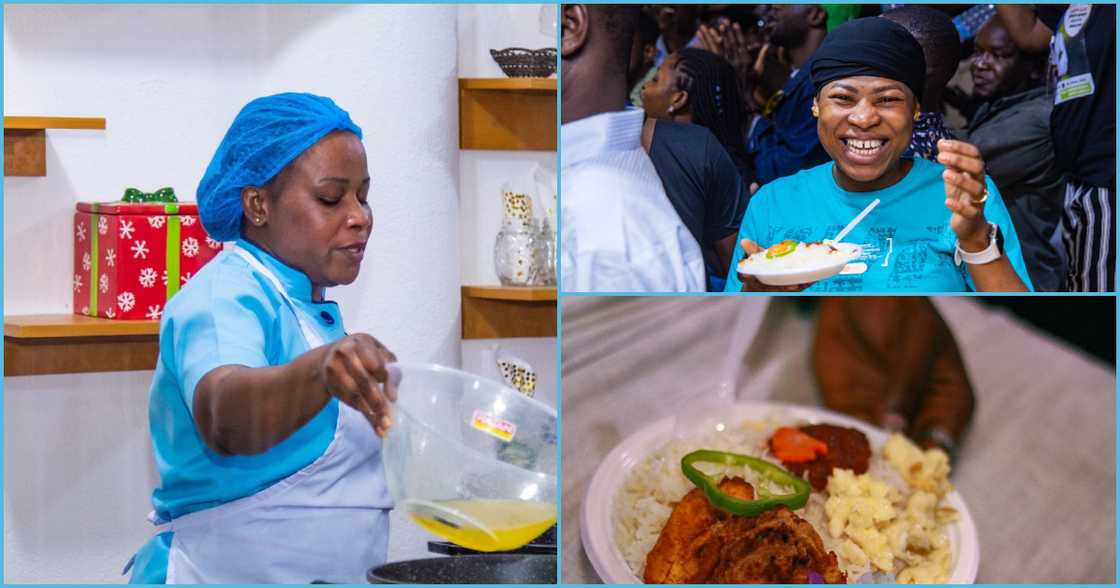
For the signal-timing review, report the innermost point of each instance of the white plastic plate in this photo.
(803, 275)
(597, 530)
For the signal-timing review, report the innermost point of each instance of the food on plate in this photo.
(926, 470)
(703, 544)
(847, 448)
(674, 558)
(776, 547)
(716, 508)
(737, 506)
(880, 530)
(794, 446)
(790, 254)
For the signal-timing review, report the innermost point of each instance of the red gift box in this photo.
(131, 257)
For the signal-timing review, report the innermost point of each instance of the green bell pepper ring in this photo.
(781, 249)
(709, 485)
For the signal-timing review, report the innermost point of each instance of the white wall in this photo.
(169, 79)
(482, 28)
(482, 173)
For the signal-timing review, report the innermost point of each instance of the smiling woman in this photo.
(939, 227)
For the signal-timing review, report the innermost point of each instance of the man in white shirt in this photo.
(619, 232)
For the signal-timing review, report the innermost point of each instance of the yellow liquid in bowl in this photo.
(511, 523)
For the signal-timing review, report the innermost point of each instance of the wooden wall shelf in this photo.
(25, 141)
(66, 344)
(543, 85)
(491, 312)
(507, 114)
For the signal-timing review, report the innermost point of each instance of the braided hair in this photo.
(714, 100)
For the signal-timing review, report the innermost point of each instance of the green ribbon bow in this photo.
(161, 195)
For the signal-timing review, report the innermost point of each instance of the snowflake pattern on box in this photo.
(190, 247)
(126, 300)
(132, 257)
(148, 277)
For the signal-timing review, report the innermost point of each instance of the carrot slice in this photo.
(793, 446)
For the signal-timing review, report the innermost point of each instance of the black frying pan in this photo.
(493, 568)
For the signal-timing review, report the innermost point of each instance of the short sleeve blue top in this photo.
(228, 314)
(907, 242)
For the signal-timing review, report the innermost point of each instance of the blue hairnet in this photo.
(268, 134)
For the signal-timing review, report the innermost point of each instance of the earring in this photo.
(917, 116)
(816, 113)
(670, 109)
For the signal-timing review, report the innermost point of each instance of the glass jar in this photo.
(514, 250)
(544, 255)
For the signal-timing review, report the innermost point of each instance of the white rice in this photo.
(654, 486)
(805, 256)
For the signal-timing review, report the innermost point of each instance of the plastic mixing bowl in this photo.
(470, 459)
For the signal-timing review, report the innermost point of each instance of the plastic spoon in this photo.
(855, 221)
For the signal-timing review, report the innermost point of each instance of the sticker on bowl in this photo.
(492, 425)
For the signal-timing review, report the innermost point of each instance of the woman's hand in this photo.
(752, 284)
(771, 72)
(729, 41)
(965, 192)
(353, 370)
(892, 361)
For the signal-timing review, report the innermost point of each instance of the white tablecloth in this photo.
(1037, 471)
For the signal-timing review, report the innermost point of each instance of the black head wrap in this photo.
(870, 46)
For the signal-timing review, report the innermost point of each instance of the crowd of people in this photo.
(695, 135)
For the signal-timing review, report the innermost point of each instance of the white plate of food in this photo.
(790, 262)
(632, 496)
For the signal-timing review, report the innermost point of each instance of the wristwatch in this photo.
(991, 253)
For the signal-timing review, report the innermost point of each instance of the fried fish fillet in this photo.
(701, 544)
(680, 555)
(776, 547)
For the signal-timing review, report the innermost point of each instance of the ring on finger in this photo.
(982, 199)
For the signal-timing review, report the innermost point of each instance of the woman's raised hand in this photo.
(965, 192)
(354, 371)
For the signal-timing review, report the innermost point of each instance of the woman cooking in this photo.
(265, 415)
(937, 228)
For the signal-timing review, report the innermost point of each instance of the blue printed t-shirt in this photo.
(907, 242)
(229, 314)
